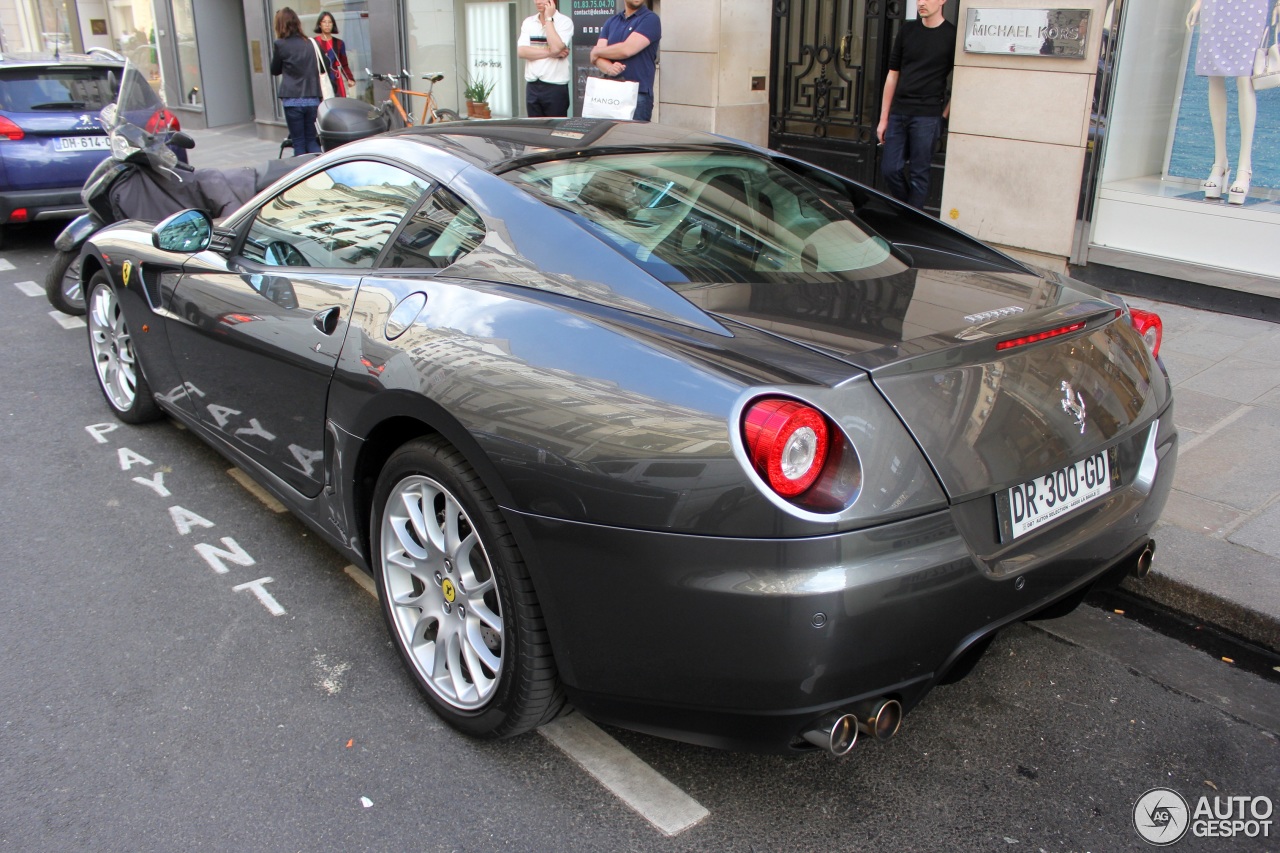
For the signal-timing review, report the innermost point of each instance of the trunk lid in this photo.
(987, 418)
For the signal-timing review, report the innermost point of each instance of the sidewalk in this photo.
(1218, 543)
(236, 145)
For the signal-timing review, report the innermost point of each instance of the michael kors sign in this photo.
(1060, 33)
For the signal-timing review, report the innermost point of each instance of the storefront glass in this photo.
(1183, 99)
(430, 34)
(42, 26)
(184, 27)
(352, 18)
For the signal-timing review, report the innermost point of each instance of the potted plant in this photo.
(477, 92)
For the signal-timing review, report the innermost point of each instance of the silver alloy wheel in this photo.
(112, 346)
(442, 594)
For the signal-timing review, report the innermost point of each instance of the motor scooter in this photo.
(145, 179)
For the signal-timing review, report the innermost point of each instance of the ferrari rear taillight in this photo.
(787, 442)
(162, 120)
(1149, 326)
(9, 130)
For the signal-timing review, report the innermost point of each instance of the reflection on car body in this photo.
(696, 437)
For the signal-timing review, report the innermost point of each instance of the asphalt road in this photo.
(185, 669)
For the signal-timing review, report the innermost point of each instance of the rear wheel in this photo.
(447, 115)
(62, 284)
(114, 358)
(456, 596)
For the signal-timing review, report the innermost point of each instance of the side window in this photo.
(444, 229)
(336, 219)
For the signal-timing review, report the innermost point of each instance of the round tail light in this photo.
(787, 442)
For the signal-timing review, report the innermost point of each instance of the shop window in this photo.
(1161, 140)
(352, 18)
(184, 28)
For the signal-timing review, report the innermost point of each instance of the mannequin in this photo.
(1230, 31)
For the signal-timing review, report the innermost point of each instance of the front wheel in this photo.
(456, 596)
(114, 358)
(62, 283)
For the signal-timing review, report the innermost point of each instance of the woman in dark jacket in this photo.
(293, 59)
(335, 54)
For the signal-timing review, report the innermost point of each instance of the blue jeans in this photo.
(908, 142)
(302, 129)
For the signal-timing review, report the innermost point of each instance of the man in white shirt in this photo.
(544, 46)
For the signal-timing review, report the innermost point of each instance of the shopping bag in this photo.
(607, 98)
(326, 85)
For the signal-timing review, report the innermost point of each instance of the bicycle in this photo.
(430, 112)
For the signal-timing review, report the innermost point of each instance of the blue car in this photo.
(50, 137)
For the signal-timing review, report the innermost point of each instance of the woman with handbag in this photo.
(295, 61)
(1229, 35)
(335, 54)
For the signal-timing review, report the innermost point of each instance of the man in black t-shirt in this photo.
(915, 101)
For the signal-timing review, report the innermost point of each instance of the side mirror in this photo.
(185, 231)
(182, 139)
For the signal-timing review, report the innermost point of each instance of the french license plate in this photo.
(84, 143)
(1039, 501)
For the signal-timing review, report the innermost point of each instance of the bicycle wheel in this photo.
(447, 115)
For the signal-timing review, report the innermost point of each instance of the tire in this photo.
(62, 284)
(115, 361)
(447, 115)
(456, 596)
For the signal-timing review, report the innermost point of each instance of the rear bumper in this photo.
(744, 643)
(62, 203)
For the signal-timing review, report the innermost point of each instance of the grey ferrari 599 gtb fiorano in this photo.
(695, 437)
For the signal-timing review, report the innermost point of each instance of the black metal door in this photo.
(830, 59)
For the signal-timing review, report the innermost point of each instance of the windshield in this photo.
(137, 102)
(690, 217)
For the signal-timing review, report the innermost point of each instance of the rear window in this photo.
(692, 217)
(57, 88)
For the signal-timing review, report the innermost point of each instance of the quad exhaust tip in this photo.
(836, 733)
(1142, 566)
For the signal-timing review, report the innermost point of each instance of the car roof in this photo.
(499, 145)
(26, 60)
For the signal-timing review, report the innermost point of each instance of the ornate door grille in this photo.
(830, 59)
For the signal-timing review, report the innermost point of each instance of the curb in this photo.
(1233, 617)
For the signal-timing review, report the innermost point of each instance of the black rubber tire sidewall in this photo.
(53, 277)
(528, 692)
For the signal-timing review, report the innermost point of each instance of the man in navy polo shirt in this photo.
(628, 50)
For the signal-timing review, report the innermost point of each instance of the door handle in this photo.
(844, 49)
(326, 321)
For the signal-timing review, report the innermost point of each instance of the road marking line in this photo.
(257, 491)
(366, 582)
(639, 786)
(30, 288)
(259, 591)
(5, 264)
(66, 321)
